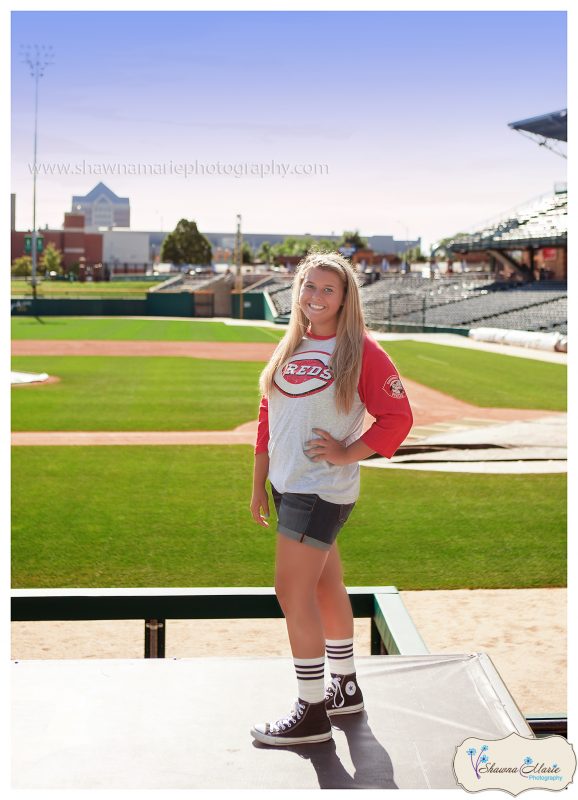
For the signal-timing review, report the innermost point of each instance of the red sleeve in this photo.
(261, 445)
(382, 393)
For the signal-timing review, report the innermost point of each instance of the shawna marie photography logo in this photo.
(514, 764)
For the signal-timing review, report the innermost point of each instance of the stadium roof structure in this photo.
(545, 128)
(550, 126)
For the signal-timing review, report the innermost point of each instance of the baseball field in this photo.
(178, 515)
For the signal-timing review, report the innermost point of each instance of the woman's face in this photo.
(320, 298)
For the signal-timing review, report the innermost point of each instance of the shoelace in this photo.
(333, 690)
(295, 714)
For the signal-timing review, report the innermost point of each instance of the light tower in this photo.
(239, 264)
(38, 57)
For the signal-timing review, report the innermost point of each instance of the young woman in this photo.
(324, 374)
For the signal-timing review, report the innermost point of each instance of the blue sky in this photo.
(406, 111)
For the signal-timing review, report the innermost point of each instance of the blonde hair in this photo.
(345, 362)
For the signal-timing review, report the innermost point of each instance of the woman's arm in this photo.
(383, 394)
(260, 498)
(326, 448)
(381, 391)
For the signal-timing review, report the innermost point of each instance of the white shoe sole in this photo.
(283, 740)
(348, 710)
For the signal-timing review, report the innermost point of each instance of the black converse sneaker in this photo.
(343, 695)
(306, 723)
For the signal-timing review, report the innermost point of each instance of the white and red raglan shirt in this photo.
(303, 398)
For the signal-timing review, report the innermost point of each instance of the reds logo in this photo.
(304, 374)
(394, 387)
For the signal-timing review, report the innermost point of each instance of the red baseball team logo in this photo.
(305, 374)
(394, 387)
(304, 370)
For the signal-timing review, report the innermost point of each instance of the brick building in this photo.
(74, 242)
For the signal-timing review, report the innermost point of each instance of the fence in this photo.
(170, 304)
(392, 629)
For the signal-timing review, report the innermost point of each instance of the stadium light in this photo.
(38, 57)
(239, 264)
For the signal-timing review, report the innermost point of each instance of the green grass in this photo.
(474, 376)
(65, 328)
(482, 378)
(178, 516)
(133, 289)
(176, 393)
(100, 393)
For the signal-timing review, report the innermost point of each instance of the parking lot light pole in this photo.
(38, 57)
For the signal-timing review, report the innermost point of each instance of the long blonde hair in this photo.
(345, 361)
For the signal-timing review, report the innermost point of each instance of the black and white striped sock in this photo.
(340, 656)
(310, 678)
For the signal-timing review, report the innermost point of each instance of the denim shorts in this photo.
(309, 519)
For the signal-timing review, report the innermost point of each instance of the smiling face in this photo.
(320, 298)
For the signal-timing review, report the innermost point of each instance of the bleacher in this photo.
(281, 298)
(541, 223)
(415, 288)
(464, 300)
(549, 316)
(184, 283)
(493, 306)
(407, 298)
(271, 285)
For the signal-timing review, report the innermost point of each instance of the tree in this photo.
(291, 246)
(22, 267)
(185, 245)
(246, 253)
(294, 247)
(51, 260)
(326, 245)
(414, 255)
(265, 253)
(352, 239)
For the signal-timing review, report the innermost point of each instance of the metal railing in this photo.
(392, 629)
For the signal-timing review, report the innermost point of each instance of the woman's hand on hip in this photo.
(326, 448)
(260, 500)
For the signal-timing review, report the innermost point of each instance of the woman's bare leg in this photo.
(332, 599)
(297, 573)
